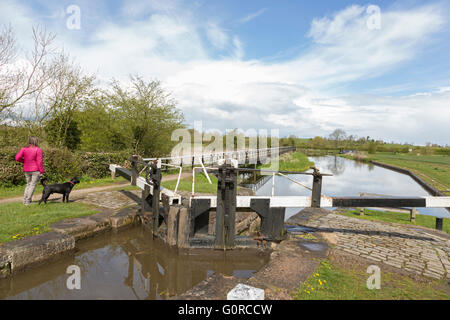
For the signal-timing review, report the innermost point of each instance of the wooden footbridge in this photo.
(184, 222)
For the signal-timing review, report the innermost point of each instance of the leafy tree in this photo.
(99, 130)
(147, 116)
(69, 91)
(70, 139)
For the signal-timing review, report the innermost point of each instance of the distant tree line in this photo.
(339, 140)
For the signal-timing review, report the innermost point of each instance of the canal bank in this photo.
(413, 261)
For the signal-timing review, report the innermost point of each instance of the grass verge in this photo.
(333, 281)
(433, 169)
(396, 217)
(18, 221)
(201, 184)
(296, 161)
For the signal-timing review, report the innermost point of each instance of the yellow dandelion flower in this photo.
(320, 282)
(325, 281)
(312, 289)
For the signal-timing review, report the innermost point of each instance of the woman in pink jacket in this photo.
(31, 157)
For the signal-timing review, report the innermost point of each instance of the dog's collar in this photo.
(71, 182)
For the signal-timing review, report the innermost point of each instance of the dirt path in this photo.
(84, 191)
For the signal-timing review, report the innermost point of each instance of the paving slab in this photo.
(418, 250)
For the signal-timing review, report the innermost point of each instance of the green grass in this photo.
(85, 182)
(18, 221)
(433, 169)
(331, 281)
(201, 184)
(296, 161)
(397, 217)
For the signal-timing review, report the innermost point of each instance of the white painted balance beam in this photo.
(304, 202)
(141, 183)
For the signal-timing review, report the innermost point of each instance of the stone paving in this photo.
(112, 199)
(413, 249)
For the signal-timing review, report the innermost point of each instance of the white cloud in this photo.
(252, 16)
(238, 48)
(168, 43)
(216, 35)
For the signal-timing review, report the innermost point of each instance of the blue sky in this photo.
(303, 67)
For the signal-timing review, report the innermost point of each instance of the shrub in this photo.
(60, 165)
(442, 151)
(11, 172)
(372, 149)
(96, 164)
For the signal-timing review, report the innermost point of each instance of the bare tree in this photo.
(7, 45)
(337, 136)
(19, 79)
(67, 92)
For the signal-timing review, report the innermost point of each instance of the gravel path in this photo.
(78, 193)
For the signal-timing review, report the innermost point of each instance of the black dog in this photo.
(64, 188)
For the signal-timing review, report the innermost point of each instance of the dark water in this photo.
(349, 178)
(129, 265)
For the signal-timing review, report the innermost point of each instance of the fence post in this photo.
(316, 189)
(155, 176)
(361, 211)
(413, 215)
(226, 207)
(439, 223)
(134, 170)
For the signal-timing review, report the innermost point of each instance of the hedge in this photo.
(60, 164)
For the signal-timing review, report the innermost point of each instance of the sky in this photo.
(378, 69)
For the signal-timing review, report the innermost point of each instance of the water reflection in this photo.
(129, 265)
(336, 166)
(350, 178)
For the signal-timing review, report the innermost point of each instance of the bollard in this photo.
(317, 188)
(361, 211)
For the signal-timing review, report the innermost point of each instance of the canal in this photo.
(349, 178)
(126, 265)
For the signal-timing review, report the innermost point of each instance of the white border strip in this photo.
(304, 202)
(437, 202)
